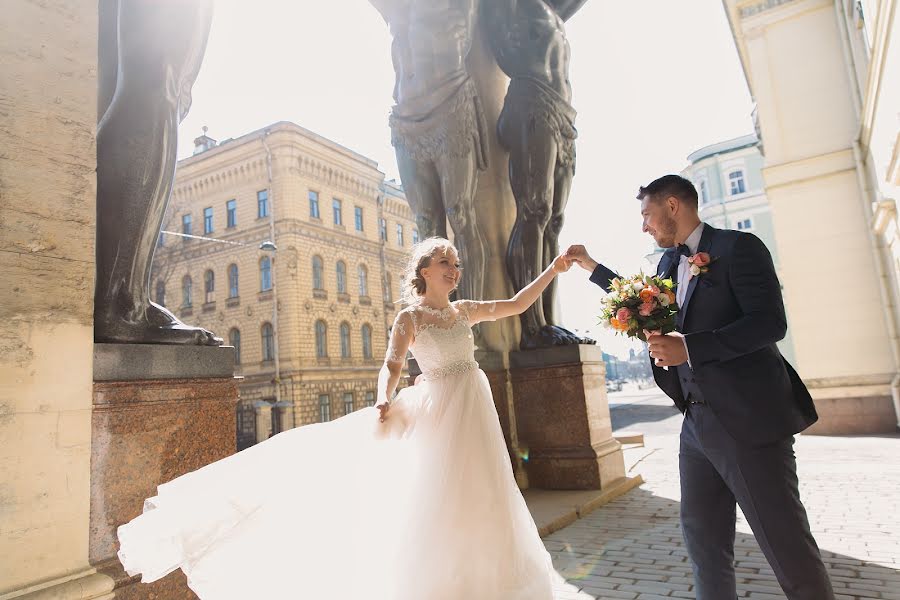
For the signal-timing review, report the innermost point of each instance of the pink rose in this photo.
(647, 308)
(623, 315)
(701, 259)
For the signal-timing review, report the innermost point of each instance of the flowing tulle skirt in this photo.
(423, 506)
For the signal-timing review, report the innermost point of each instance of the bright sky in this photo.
(653, 81)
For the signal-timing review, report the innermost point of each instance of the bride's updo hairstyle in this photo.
(413, 286)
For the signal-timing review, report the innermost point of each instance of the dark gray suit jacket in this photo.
(732, 317)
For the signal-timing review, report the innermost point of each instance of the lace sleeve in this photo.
(402, 335)
(476, 312)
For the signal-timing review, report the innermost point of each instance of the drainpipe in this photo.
(875, 242)
(271, 199)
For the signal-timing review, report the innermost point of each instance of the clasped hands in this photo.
(666, 350)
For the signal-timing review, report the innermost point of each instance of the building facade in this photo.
(732, 195)
(291, 248)
(826, 82)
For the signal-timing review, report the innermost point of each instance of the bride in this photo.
(413, 499)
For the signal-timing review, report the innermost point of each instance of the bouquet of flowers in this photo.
(640, 303)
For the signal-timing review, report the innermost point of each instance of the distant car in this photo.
(613, 386)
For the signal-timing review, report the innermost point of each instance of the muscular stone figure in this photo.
(536, 126)
(437, 124)
(150, 52)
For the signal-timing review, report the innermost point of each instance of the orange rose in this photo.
(671, 296)
(649, 293)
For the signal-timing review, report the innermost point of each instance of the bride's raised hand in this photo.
(562, 263)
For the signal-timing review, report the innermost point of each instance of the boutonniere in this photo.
(699, 263)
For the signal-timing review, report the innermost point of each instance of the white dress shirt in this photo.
(684, 276)
(684, 267)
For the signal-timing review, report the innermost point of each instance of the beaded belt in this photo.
(454, 369)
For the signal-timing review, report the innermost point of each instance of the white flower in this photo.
(695, 270)
(663, 300)
(637, 286)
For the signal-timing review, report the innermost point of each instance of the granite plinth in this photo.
(146, 432)
(562, 418)
(135, 362)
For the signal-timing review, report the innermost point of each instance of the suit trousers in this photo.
(718, 473)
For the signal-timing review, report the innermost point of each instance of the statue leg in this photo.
(422, 186)
(561, 188)
(532, 159)
(159, 50)
(459, 176)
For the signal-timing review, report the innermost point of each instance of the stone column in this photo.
(47, 218)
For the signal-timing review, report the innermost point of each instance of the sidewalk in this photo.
(632, 547)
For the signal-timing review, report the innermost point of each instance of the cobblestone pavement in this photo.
(632, 547)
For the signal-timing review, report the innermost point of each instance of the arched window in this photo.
(318, 273)
(341, 270)
(265, 274)
(232, 281)
(345, 340)
(209, 286)
(736, 182)
(388, 296)
(187, 293)
(367, 341)
(234, 339)
(161, 292)
(321, 339)
(363, 280)
(268, 342)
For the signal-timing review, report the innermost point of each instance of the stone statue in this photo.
(536, 127)
(437, 123)
(150, 53)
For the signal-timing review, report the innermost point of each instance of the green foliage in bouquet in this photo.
(638, 303)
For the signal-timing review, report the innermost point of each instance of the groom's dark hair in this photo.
(670, 185)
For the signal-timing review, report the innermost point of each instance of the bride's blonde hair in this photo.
(413, 286)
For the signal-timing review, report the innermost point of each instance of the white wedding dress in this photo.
(421, 507)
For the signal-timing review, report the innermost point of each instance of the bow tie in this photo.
(682, 250)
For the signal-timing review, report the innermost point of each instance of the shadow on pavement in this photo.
(633, 546)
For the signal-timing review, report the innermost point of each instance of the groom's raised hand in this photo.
(579, 254)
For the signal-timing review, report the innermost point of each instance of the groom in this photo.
(742, 401)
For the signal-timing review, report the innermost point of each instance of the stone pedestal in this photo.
(158, 412)
(563, 421)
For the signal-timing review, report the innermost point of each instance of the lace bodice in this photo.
(440, 340)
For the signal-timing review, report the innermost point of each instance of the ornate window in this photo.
(324, 408)
(736, 182)
(367, 341)
(232, 281)
(262, 203)
(321, 339)
(341, 270)
(345, 340)
(314, 205)
(363, 273)
(187, 291)
(268, 342)
(209, 286)
(265, 274)
(234, 339)
(318, 273)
